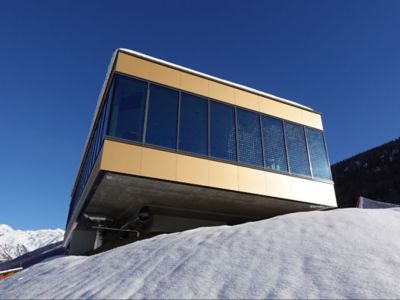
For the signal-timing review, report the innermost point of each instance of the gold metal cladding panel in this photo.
(136, 160)
(120, 157)
(222, 175)
(167, 76)
(192, 170)
(252, 181)
(246, 99)
(158, 164)
(312, 120)
(132, 65)
(299, 189)
(193, 84)
(147, 70)
(221, 92)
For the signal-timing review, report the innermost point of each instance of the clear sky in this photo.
(341, 58)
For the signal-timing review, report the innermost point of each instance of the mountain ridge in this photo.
(15, 242)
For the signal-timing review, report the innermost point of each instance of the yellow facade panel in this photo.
(164, 75)
(221, 92)
(278, 185)
(312, 191)
(270, 107)
(291, 113)
(193, 84)
(252, 181)
(312, 119)
(247, 100)
(120, 157)
(158, 164)
(222, 175)
(133, 66)
(192, 170)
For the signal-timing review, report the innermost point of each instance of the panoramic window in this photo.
(249, 137)
(162, 117)
(318, 155)
(297, 149)
(193, 124)
(127, 111)
(222, 131)
(274, 144)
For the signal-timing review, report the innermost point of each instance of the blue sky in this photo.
(341, 58)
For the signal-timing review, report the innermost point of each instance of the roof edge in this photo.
(217, 79)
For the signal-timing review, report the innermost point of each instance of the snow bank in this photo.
(348, 253)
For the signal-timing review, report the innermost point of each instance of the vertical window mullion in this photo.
(286, 147)
(308, 152)
(178, 121)
(208, 129)
(262, 141)
(146, 111)
(236, 134)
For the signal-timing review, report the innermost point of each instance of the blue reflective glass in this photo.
(162, 117)
(107, 108)
(297, 149)
(193, 124)
(128, 108)
(249, 137)
(318, 155)
(222, 131)
(274, 144)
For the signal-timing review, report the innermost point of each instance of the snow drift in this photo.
(348, 253)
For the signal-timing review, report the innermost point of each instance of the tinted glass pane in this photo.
(249, 137)
(128, 108)
(223, 135)
(274, 144)
(297, 149)
(162, 118)
(318, 156)
(193, 124)
(107, 108)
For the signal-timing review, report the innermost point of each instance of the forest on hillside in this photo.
(374, 174)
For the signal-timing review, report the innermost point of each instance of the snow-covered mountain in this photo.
(14, 243)
(344, 253)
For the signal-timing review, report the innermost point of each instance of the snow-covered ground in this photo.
(347, 253)
(14, 243)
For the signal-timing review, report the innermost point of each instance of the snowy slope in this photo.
(348, 253)
(14, 243)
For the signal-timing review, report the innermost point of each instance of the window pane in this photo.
(128, 108)
(318, 156)
(249, 137)
(107, 108)
(274, 144)
(193, 124)
(162, 118)
(297, 149)
(223, 135)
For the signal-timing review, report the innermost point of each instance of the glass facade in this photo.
(127, 114)
(193, 125)
(222, 131)
(249, 138)
(297, 149)
(274, 144)
(150, 114)
(162, 117)
(318, 155)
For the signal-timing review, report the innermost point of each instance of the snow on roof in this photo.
(10, 270)
(243, 87)
(343, 253)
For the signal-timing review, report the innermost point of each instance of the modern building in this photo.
(171, 148)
